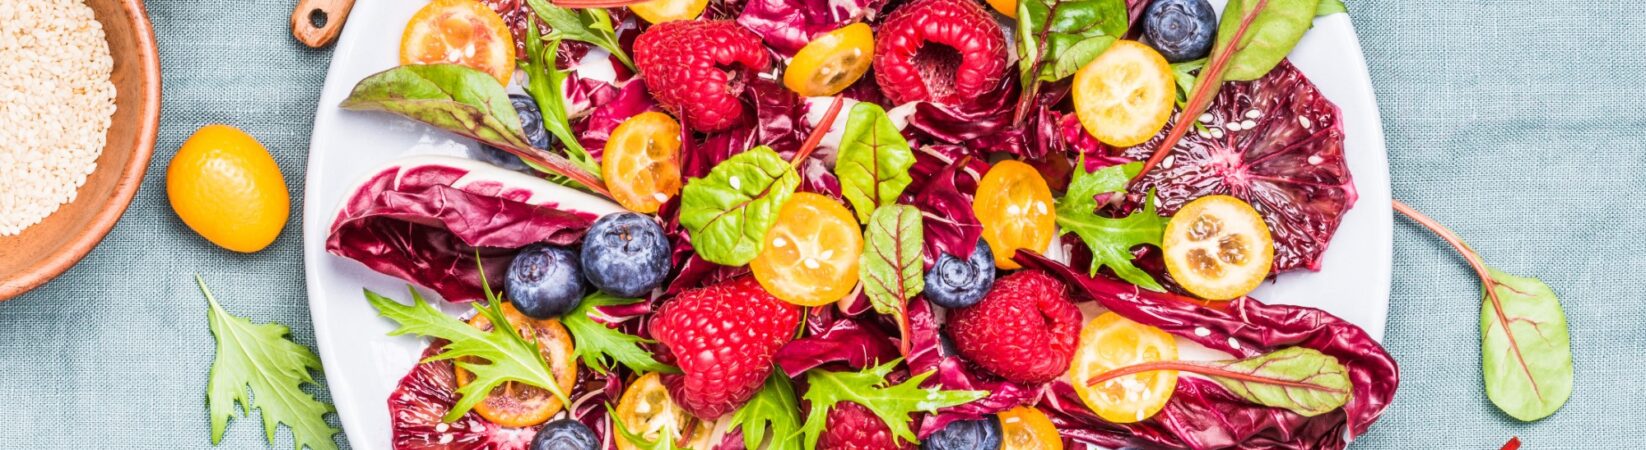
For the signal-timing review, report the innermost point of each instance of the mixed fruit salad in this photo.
(863, 224)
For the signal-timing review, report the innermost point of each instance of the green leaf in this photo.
(772, 409)
(507, 357)
(1057, 37)
(1329, 7)
(892, 404)
(591, 25)
(1184, 74)
(448, 96)
(543, 81)
(729, 211)
(874, 160)
(1528, 370)
(1298, 379)
(262, 359)
(1270, 37)
(600, 346)
(891, 263)
(1111, 240)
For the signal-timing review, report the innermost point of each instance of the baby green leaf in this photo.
(774, 408)
(1329, 7)
(599, 345)
(1298, 379)
(1111, 240)
(892, 404)
(543, 82)
(1528, 370)
(891, 263)
(1268, 39)
(590, 25)
(874, 160)
(1065, 33)
(507, 356)
(729, 211)
(1184, 74)
(263, 359)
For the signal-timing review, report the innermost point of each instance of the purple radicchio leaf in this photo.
(945, 203)
(928, 353)
(788, 25)
(424, 223)
(595, 128)
(846, 341)
(975, 125)
(590, 398)
(1203, 414)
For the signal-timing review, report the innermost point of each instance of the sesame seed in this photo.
(661, 197)
(1234, 344)
(446, 438)
(1304, 120)
(1207, 118)
(1205, 135)
(1253, 114)
(1202, 331)
(1040, 207)
(1167, 163)
(1248, 124)
(810, 263)
(1217, 133)
(737, 183)
(1316, 160)
(1014, 210)
(1233, 126)
(779, 242)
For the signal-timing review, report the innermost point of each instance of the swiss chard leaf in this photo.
(261, 358)
(1111, 240)
(591, 25)
(773, 409)
(729, 211)
(544, 81)
(874, 161)
(1528, 370)
(1057, 37)
(1329, 7)
(1271, 35)
(1298, 379)
(892, 404)
(600, 346)
(892, 261)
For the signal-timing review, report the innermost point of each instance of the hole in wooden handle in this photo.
(317, 18)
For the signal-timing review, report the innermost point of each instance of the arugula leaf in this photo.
(544, 81)
(508, 357)
(892, 404)
(1298, 379)
(892, 262)
(599, 345)
(261, 358)
(1269, 37)
(773, 408)
(1184, 74)
(1528, 370)
(591, 25)
(1329, 7)
(729, 211)
(874, 161)
(1111, 240)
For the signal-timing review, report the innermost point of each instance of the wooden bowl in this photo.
(46, 249)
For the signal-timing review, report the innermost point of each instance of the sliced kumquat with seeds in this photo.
(1218, 248)
(647, 411)
(1125, 95)
(1026, 428)
(1111, 342)
(641, 163)
(659, 11)
(518, 404)
(1017, 211)
(459, 32)
(810, 256)
(831, 62)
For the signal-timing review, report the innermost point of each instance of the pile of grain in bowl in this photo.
(56, 104)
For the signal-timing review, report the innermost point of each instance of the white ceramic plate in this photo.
(363, 363)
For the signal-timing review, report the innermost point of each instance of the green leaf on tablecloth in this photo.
(261, 358)
(1528, 370)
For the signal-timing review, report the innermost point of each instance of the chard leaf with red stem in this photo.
(588, 23)
(729, 211)
(893, 404)
(874, 160)
(1297, 379)
(891, 264)
(1055, 38)
(1525, 348)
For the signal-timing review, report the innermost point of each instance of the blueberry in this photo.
(565, 434)
(545, 281)
(627, 254)
(957, 283)
(1181, 29)
(531, 120)
(982, 434)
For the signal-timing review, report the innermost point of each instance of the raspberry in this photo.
(1024, 330)
(723, 338)
(697, 68)
(945, 51)
(851, 426)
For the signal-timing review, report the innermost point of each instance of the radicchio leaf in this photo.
(424, 223)
(985, 123)
(851, 342)
(788, 25)
(597, 126)
(950, 225)
(1203, 413)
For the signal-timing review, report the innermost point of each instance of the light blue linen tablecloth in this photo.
(1520, 123)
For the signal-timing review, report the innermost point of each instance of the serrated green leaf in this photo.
(1272, 34)
(892, 404)
(543, 82)
(874, 160)
(600, 346)
(262, 359)
(729, 211)
(1111, 240)
(506, 356)
(891, 263)
(773, 409)
(1298, 379)
(1528, 370)
(590, 25)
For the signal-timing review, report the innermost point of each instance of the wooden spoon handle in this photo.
(316, 23)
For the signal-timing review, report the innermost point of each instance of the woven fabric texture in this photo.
(1518, 123)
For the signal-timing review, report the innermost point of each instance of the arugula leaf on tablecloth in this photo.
(262, 359)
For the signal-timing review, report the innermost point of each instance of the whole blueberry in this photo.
(545, 281)
(627, 254)
(565, 434)
(981, 434)
(531, 121)
(958, 283)
(1182, 30)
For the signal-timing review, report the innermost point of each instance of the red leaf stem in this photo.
(1513, 444)
(822, 128)
(555, 163)
(1204, 370)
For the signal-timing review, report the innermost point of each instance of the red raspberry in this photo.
(1024, 330)
(723, 338)
(851, 426)
(946, 51)
(691, 68)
